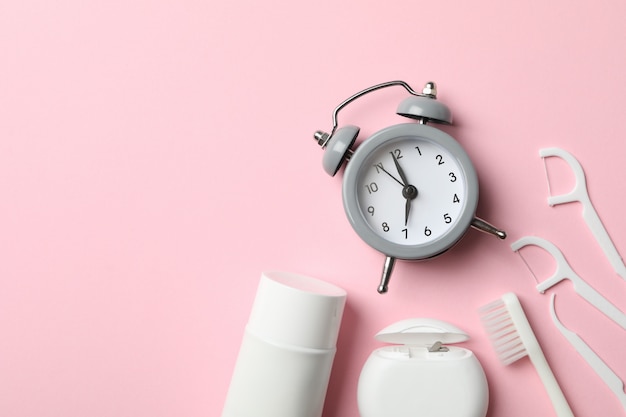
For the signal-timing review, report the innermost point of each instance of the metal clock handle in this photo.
(426, 93)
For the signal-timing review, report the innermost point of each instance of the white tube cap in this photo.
(297, 310)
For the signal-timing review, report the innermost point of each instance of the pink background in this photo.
(156, 156)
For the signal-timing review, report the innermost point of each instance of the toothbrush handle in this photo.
(538, 359)
(550, 383)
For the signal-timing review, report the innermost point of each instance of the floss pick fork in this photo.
(565, 271)
(580, 194)
(513, 339)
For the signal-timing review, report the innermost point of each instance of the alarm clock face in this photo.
(410, 191)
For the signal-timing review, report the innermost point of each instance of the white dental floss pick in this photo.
(289, 344)
(581, 194)
(565, 271)
(605, 373)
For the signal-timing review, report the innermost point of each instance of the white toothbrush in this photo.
(513, 338)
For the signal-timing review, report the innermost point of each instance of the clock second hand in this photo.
(387, 172)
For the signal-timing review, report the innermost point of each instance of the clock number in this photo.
(439, 160)
(371, 188)
(427, 231)
(406, 233)
(447, 218)
(370, 210)
(385, 227)
(397, 153)
(418, 150)
(379, 167)
(455, 199)
(452, 177)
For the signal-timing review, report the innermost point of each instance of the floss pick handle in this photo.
(581, 194)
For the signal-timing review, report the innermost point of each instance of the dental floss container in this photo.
(288, 347)
(420, 375)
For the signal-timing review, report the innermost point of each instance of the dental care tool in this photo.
(599, 366)
(287, 352)
(513, 339)
(420, 373)
(565, 271)
(580, 194)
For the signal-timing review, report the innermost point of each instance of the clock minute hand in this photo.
(409, 192)
(400, 170)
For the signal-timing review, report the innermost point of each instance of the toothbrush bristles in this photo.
(513, 339)
(502, 332)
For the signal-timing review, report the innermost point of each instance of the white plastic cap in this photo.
(297, 310)
(421, 332)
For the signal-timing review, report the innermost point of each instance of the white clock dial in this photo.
(411, 191)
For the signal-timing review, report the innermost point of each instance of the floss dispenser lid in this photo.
(421, 332)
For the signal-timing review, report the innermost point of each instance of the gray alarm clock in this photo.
(410, 190)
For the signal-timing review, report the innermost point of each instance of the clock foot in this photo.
(387, 268)
(483, 226)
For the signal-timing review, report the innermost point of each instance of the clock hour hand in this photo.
(407, 210)
(409, 192)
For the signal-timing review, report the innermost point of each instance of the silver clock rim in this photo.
(355, 215)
